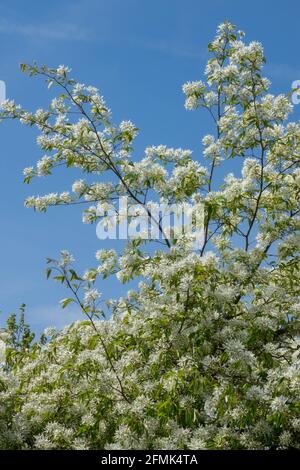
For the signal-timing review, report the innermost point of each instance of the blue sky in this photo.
(138, 53)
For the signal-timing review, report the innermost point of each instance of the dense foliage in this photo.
(205, 353)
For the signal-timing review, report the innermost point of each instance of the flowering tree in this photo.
(205, 353)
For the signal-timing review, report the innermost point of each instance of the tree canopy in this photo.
(204, 354)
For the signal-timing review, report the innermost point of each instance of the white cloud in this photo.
(67, 31)
(42, 317)
(173, 48)
(54, 31)
(282, 71)
(170, 46)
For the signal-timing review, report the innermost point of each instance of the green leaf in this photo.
(65, 302)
